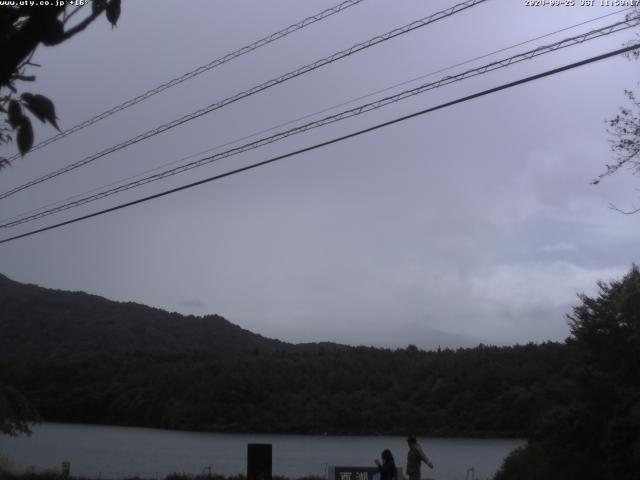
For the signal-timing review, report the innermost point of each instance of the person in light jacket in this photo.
(414, 458)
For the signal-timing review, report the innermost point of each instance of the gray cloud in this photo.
(478, 220)
(193, 304)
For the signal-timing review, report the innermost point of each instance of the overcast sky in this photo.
(476, 220)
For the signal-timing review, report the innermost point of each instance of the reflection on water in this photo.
(112, 452)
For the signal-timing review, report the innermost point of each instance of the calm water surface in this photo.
(111, 452)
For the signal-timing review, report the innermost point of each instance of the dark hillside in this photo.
(38, 322)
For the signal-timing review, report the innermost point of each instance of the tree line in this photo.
(483, 391)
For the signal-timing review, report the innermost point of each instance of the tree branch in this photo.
(81, 26)
(624, 212)
(68, 17)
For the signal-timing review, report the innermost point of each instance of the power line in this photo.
(578, 39)
(313, 114)
(335, 140)
(202, 69)
(619, 26)
(288, 76)
(310, 115)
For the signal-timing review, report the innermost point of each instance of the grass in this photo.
(9, 474)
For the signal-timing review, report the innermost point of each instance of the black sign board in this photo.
(259, 461)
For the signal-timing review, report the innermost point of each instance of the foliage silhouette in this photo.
(592, 430)
(24, 28)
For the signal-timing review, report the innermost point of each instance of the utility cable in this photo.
(259, 88)
(310, 115)
(593, 34)
(505, 86)
(194, 73)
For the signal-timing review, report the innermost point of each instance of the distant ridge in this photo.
(38, 322)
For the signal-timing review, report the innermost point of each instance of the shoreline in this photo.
(118, 452)
(462, 436)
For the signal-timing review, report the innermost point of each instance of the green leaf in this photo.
(15, 114)
(41, 107)
(97, 6)
(25, 136)
(113, 12)
(52, 30)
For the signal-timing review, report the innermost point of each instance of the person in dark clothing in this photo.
(415, 456)
(387, 468)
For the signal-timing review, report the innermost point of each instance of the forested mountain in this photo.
(38, 322)
(83, 358)
(577, 402)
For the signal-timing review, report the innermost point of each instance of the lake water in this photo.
(114, 452)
